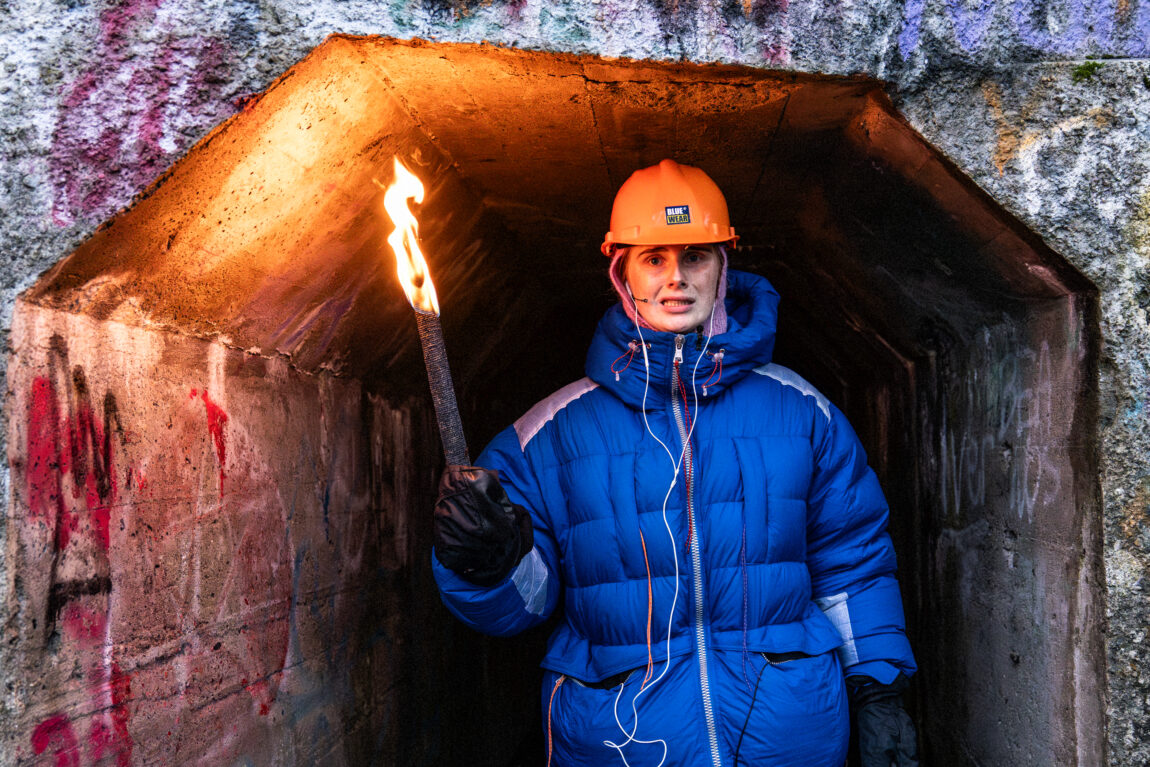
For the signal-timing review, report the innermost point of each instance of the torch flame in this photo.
(404, 241)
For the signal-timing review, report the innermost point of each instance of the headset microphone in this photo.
(644, 300)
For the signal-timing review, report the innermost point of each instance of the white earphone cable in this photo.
(676, 466)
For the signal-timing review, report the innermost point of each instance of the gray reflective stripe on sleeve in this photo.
(537, 417)
(788, 377)
(835, 608)
(530, 579)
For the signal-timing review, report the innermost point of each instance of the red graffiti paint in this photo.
(136, 480)
(83, 624)
(114, 739)
(93, 475)
(56, 733)
(76, 446)
(217, 418)
(71, 486)
(43, 471)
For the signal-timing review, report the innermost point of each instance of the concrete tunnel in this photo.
(245, 512)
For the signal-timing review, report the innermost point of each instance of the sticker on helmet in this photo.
(678, 214)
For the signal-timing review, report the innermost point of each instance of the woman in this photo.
(708, 517)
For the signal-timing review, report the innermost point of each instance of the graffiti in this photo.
(78, 446)
(1076, 146)
(71, 487)
(108, 731)
(55, 734)
(123, 118)
(225, 562)
(70, 478)
(1000, 439)
(216, 420)
(196, 625)
(1079, 131)
(1059, 27)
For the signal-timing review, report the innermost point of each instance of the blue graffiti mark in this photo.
(911, 24)
(970, 26)
(1104, 22)
(328, 685)
(1141, 45)
(1032, 19)
(1060, 27)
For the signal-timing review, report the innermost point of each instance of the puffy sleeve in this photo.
(850, 555)
(528, 595)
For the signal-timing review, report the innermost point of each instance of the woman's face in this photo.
(674, 286)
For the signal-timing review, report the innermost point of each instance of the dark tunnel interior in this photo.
(961, 347)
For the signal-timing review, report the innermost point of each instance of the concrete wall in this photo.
(218, 563)
(1014, 548)
(98, 99)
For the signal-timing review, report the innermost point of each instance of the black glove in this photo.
(479, 532)
(886, 735)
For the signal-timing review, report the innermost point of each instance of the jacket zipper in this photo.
(696, 560)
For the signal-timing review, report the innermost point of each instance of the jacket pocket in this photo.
(779, 658)
(610, 683)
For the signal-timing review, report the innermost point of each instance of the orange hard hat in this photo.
(668, 204)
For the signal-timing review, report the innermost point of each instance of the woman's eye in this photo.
(655, 260)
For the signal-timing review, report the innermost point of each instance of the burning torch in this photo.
(416, 281)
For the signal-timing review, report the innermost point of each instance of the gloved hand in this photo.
(886, 735)
(478, 532)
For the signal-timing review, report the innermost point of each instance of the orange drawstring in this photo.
(554, 689)
(650, 607)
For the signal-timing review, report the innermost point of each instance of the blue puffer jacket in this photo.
(761, 546)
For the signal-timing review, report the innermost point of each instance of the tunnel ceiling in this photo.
(269, 235)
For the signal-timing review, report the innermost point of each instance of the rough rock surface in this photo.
(1044, 104)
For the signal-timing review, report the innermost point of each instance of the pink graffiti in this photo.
(56, 733)
(85, 625)
(122, 120)
(217, 418)
(57, 446)
(109, 689)
(70, 486)
(42, 475)
(117, 19)
(92, 460)
(107, 733)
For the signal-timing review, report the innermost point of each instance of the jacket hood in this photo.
(752, 312)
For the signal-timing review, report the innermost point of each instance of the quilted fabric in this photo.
(788, 525)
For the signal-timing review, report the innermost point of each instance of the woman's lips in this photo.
(677, 304)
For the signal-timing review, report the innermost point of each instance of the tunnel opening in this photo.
(244, 374)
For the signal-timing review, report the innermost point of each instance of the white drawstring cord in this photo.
(676, 466)
(630, 736)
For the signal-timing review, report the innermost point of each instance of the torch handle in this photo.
(442, 389)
